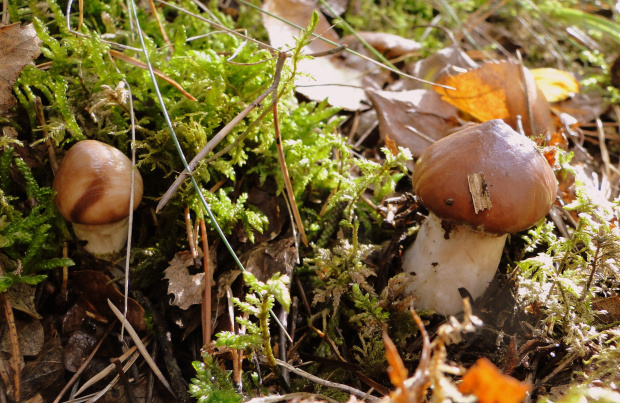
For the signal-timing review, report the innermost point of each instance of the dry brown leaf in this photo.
(187, 289)
(496, 91)
(490, 385)
(46, 373)
(77, 349)
(434, 67)
(97, 289)
(20, 46)
(29, 337)
(390, 45)
(321, 77)
(609, 309)
(21, 296)
(413, 119)
(267, 259)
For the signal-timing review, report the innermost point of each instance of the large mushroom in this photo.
(479, 185)
(93, 191)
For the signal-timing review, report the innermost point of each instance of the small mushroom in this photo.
(93, 191)
(478, 184)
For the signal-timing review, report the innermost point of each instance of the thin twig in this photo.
(123, 378)
(113, 382)
(290, 397)
(221, 134)
(285, 175)
(141, 348)
(161, 28)
(107, 370)
(17, 361)
(38, 109)
(132, 185)
(328, 384)
(158, 73)
(84, 364)
(163, 336)
(206, 302)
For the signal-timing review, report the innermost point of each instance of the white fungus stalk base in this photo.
(104, 239)
(467, 259)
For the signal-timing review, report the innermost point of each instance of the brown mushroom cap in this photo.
(519, 181)
(93, 184)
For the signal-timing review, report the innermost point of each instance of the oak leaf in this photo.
(187, 289)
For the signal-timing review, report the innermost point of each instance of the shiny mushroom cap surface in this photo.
(93, 184)
(516, 182)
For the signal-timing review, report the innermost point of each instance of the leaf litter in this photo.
(542, 343)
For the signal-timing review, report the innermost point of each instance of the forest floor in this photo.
(277, 270)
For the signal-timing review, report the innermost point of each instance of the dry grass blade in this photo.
(329, 384)
(290, 397)
(141, 347)
(113, 382)
(77, 374)
(142, 65)
(106, 371)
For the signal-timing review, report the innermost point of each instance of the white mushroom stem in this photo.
(103, 239)
(466, 259)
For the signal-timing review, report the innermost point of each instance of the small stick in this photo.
(158, 73)
(38, 109)
(123, 377)
(81, 16)
(206, 302)
(221, 134)
(161, 28)
(17, 361)
(190, 233)
(77, 374)
(285, 175)
(329, 384)
(141, 347)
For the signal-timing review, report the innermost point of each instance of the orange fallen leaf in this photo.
(556, 85)
(496, 91)
(490, 385)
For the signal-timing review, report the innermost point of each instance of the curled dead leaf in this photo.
(187, 289)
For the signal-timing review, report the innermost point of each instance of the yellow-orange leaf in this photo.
(489, 385)
(557, 85)
(497, 91)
